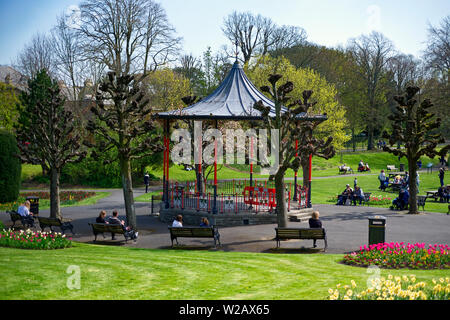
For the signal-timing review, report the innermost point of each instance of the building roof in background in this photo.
(13, 77)
(232, 100)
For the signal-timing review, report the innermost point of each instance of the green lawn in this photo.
(110, 272)
(325, 189)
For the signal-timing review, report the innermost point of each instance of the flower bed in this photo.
(34, 240)
(401, 255)
(66, 198)
(394, 288)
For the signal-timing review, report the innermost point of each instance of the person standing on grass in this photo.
(441, 176)
(382, 178)
(146, 181)
(314, 222)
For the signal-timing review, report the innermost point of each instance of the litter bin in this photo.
(377, 229)
(402, 167)
(34, 204)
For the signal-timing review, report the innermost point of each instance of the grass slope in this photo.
(128, 273)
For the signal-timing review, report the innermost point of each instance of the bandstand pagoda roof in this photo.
(232, 100)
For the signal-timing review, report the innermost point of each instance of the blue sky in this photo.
(199, 22)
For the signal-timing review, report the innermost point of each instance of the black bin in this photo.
(34, 204)
(377, 229)
(402, 167)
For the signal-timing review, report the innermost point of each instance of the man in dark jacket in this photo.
(146, 181)
(314, 222)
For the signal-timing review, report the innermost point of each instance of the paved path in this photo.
(347, 228)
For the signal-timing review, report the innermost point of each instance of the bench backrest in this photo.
(197, 232)
(14, 215)
(105, 227)
(421, 200)
(300, 233)
(50, 221)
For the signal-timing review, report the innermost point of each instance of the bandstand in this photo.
(235, 201)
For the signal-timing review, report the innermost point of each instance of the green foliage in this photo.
(10, 168)
(306, 79)
(8, 106)
(93, 172)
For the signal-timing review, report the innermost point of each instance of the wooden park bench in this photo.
(98, 228)
(433, 194)
(344, 170)
(63, 224)
(300, 233)
(421, 200)
(391, 168)
(15, 216)
(194, 232)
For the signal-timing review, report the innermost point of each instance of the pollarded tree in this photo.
(413, 125)
(286, 122)
(123, 121)
(48, 131)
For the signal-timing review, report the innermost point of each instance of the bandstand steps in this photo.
(300, 215)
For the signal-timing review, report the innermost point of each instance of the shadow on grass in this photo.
(301, 250)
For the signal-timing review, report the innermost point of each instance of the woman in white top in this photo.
(178, 222)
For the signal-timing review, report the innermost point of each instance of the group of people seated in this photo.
(444, 194)
(352, 195)
(401, 181)
(114, 219)
(401, 202)
(363, 167)
(344, 168)
(178, 222)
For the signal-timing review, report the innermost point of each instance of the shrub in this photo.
(394, 288)
(2, 226)
(10, 168)
(34, 240)
(401, 255)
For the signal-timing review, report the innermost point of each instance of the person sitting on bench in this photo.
(24, 211)
(178, 222)
(314, 222)
(358, 195)
(115, 220)
(346, 194)
(204, 222)
(101, 217)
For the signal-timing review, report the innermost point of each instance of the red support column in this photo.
(309, 186)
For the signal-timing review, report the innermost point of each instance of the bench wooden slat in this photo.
(194, 232)
(301, 234)
(109, 228)
(63, 224)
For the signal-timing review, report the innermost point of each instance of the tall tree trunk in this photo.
(305, 168)
(412, 186)
(370, 130)
(281, 199)
(353, 140)
(54, 194)
(127, 186)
